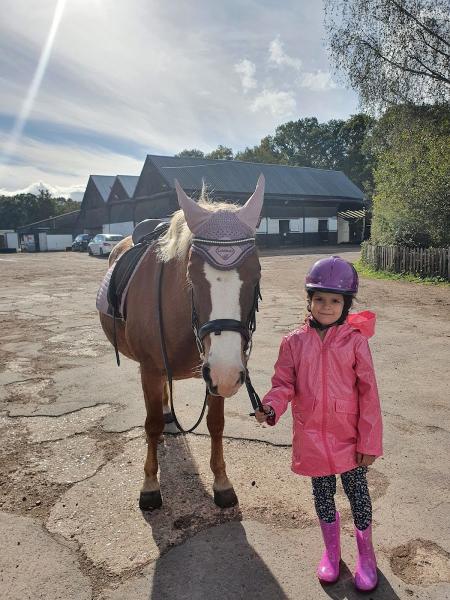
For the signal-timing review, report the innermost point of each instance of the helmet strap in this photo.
(316, 325)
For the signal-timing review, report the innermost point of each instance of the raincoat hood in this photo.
(364, 322)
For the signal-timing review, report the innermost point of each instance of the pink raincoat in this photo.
(333, 393)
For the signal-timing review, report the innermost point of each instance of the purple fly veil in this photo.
(223, 238)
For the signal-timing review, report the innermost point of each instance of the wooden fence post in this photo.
(424, 262)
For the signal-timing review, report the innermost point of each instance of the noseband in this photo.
(216, 326)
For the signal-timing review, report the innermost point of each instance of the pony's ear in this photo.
(249, 213)
(194, 214)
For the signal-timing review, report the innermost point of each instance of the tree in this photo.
(391, 51)
(337, 144)
(412, 177)
(193, 153)
(22, 209)
(65, 205)
(302, 143)
(221, 153)
(264, 153)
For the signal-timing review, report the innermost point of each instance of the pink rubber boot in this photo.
(366, 577)
(328, 569)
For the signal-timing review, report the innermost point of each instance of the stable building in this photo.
(118, 205)
(54, 233)
(94, 210)
(302, 206)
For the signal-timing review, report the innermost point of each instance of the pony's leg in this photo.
(169, 424)
(224, 495)
(150, 497)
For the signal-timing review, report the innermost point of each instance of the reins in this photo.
(215, 327)
(166, 360)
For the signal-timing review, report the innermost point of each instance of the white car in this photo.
(103, 243)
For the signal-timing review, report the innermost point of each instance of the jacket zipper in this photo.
(325, 405)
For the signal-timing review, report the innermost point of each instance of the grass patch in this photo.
(367, 271)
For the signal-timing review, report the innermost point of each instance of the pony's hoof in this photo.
(150, 500)
(225, 498)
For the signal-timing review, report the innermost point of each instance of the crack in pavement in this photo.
(52, 416)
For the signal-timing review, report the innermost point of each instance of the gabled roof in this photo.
(240, 177)
(103, 183)
(129, 183)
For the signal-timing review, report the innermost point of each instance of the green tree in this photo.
(65, 205)
(264, 153)
(412, 177)
(391, 51)
(22, 209)
(192, 153)
(337, 144)
(221, 153)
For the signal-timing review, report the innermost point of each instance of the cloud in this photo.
(64, 168)
(75, 191)
(280, 104)
(126, 79)
(318, 81)
(246, 70)
(278, 56)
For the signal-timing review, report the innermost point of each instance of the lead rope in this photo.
(166, 361)
(254, 398)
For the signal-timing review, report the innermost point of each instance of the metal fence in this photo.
(424, 262)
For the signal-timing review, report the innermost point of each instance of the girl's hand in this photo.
(365, 460)
(261, 415)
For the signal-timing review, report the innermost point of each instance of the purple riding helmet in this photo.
(332, 274)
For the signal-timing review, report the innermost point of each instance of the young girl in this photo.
(325, 370)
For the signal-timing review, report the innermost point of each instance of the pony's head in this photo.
(224, 273)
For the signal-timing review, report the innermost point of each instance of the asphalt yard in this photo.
(73, 447)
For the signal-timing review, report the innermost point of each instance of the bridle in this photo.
(216, 327)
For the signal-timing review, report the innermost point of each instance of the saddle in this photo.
(126, 265)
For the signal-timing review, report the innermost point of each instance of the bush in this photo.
(412, 179)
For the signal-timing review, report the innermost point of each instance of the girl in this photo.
(325, 369)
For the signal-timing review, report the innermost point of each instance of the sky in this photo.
(93, 86)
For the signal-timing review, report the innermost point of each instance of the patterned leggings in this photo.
(355, 487)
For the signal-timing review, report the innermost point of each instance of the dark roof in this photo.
(103, 183)
(240, 177)
(129, 183)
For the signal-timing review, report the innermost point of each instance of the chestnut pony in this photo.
(211, 271)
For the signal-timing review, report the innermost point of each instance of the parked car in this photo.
(103, 243)
(80, 243)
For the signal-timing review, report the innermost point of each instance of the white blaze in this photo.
(225, 353)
